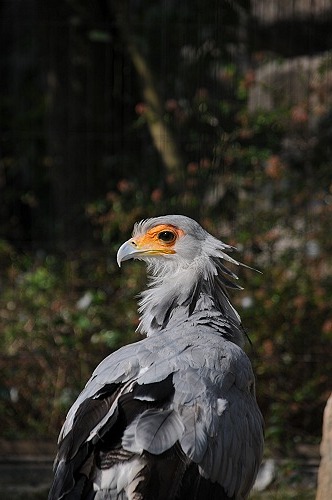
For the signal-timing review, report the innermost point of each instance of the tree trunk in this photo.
(163, 138)
(325, 469)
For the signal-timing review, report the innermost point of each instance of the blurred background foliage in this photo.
(112, 111)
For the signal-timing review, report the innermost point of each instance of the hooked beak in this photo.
(127, 251)
(134, 250)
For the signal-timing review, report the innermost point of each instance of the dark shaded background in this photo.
(111, 111)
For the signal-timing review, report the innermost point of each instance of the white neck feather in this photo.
(178, 288)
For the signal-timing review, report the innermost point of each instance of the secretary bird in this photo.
(173, 416)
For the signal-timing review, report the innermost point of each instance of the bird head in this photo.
(187, 271)
(173, 242)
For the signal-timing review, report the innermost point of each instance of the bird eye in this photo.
(166, 236)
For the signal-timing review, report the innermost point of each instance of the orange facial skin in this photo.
(151, 241)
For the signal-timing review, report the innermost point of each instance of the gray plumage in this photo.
(174, 415)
